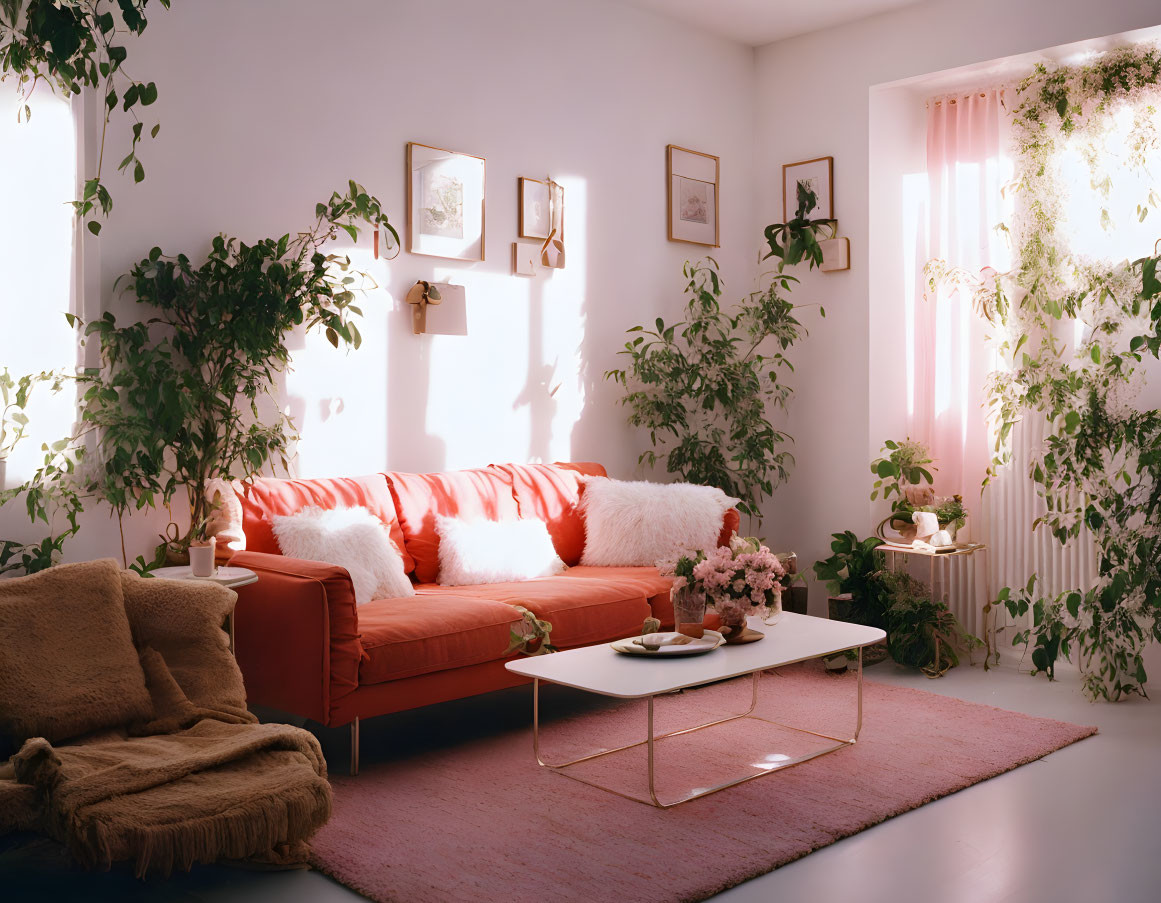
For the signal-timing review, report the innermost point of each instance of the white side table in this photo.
(229, 577)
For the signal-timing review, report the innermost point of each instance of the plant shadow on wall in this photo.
(175, 402)
(704, 387)
(1101, 462)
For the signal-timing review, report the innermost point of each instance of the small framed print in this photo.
(535, 209)
(818, 176)
(445, 203)
(693, 196)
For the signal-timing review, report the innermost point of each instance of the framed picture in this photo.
(693, 196)
(818, 176)
(552, 252)
(535, 209)
(445, 203)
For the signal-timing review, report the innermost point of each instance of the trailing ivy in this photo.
(1101, 463)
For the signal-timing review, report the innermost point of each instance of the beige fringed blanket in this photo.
(185, 776)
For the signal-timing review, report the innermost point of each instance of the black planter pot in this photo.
(839, 609)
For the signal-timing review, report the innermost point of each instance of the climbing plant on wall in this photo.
(1101, 463)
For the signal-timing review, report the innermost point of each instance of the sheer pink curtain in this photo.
(966, 171)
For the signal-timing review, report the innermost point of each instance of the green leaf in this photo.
(94, 227)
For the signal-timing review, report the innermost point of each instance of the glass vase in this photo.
(689, 611)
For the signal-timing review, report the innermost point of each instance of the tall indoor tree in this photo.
(704, 387)
(178, 398)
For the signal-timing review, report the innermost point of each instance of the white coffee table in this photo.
(598, 669)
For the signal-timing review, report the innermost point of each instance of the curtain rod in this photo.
(964, 96)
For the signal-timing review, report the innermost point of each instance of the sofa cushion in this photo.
(265, 497)
(550, 492)
(483, 494)
(433, 631)
(354, 539)
(581, 611)
(636, 522)
(494, 551)
(647, 581)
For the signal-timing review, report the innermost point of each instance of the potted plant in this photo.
(176, 400)
(705, 390)
(797, 240)
(921, 631)
(901, 472)
(856, 595)
(904, 477)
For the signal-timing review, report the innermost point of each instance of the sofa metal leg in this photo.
(355, 747)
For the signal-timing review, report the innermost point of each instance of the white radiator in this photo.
(1015, 551)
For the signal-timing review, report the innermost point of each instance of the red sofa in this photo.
(305, 649)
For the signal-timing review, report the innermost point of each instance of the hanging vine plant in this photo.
(1101, 463)
(72, 46)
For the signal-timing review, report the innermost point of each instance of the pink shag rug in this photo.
(482, 821)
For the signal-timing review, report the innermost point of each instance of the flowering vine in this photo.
(1101, 463)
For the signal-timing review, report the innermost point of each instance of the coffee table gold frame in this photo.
(651, 740)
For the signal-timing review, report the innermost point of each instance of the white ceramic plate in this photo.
(708, 642)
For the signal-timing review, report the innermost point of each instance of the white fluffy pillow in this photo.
(486, 551)
(639, 523)
(352, 538)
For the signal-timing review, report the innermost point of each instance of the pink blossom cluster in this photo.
(744, 573)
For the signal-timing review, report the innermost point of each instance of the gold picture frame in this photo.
(534, 208)
(820, 172)
(692, 196)
(446, 202)
(692, 192)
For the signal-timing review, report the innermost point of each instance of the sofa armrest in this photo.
(731, 522)
(296, 634)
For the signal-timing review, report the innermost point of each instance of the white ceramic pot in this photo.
(201, 558)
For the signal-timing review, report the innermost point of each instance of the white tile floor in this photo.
(1083, 824)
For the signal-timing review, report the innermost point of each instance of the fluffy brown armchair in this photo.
(133, 741)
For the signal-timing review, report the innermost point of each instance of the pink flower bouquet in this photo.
(740, 579)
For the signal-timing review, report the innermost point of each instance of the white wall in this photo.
(814, 98)
(268, 106)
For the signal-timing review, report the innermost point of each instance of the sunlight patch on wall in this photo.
(512, 389)
(37, 180)
(914, 244)
(338, 397)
